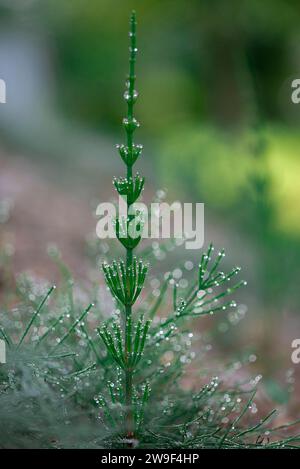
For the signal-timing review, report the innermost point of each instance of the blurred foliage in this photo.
(212, 59)
(247, 180)
(215, 166)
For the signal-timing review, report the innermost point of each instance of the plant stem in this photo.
(129, 422)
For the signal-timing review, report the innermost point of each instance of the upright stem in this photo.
(129, 423)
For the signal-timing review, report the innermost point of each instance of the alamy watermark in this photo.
(160, 221)
(295, 356)
(2, 91)
(2, 101)
(2, 351)
(295, 96)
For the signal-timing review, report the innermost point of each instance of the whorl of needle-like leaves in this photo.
(125, 283)
(129, 155)
(130, 188)
(135, 340)
(129, 230)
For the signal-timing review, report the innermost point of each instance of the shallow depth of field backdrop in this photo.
(218, 126)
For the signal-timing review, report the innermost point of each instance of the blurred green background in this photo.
(218, 126)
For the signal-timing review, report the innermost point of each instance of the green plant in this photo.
(126, 279)
(127, 336)
(59, 376)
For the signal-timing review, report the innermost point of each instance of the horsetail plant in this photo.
(125, 341)
(126, 279)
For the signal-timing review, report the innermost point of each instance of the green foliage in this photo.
(125, 282)
(130, 188)
(61, 389)
(78, 377)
